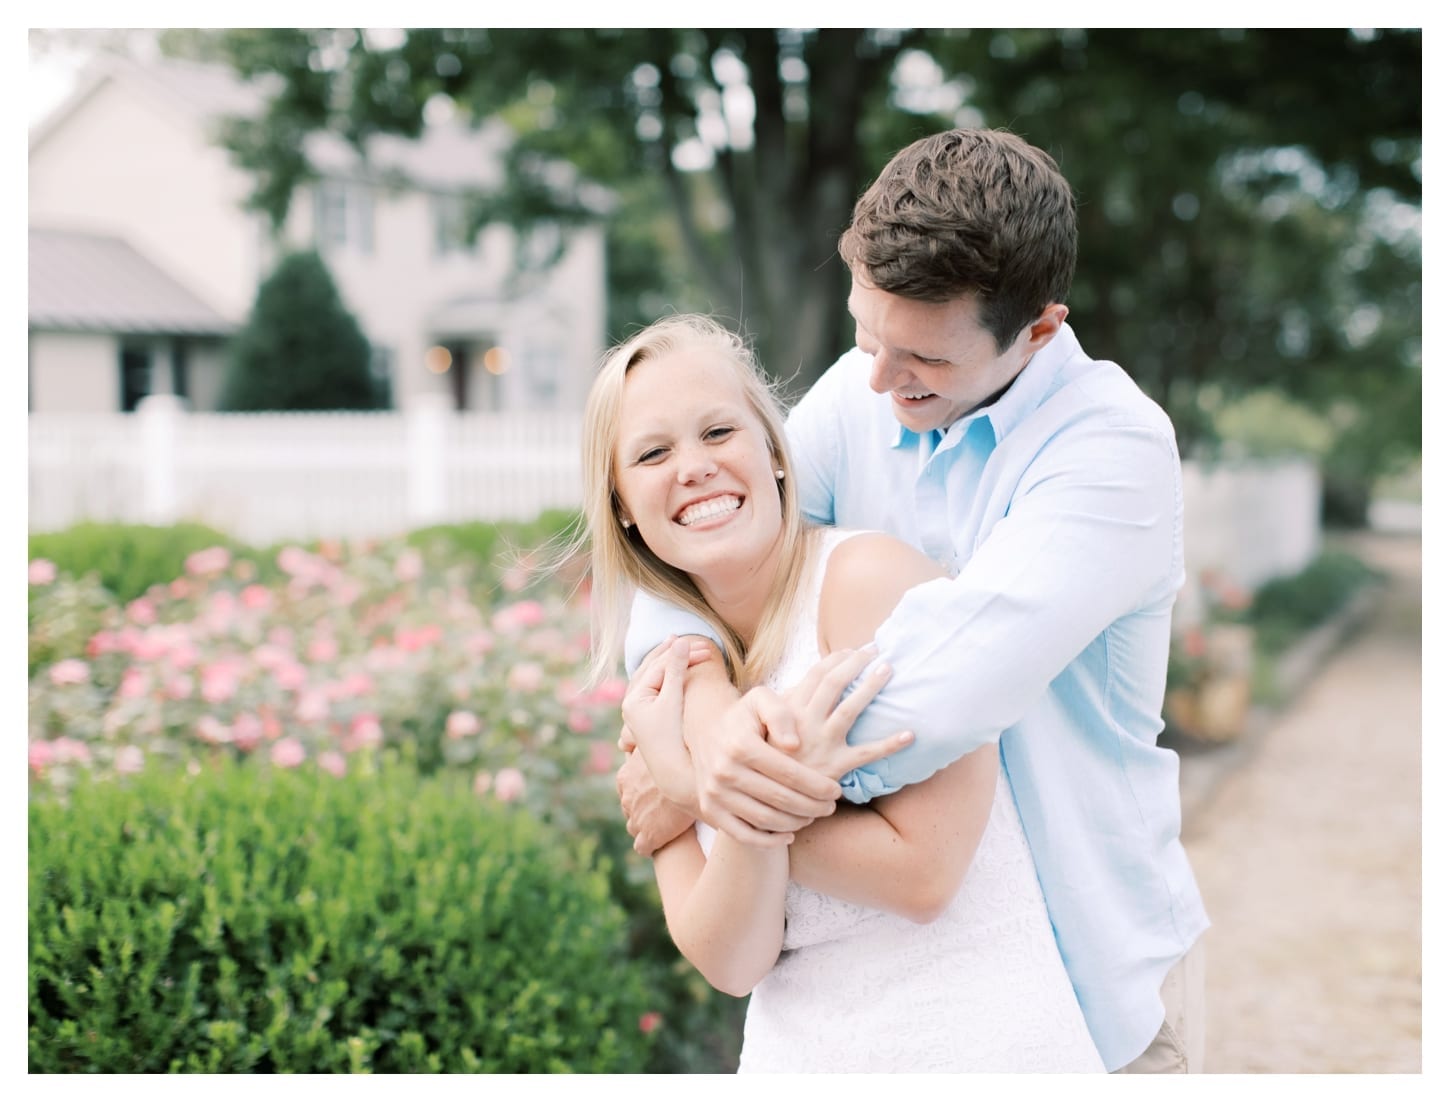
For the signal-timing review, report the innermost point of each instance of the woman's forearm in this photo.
(906, 853)
(726, 913)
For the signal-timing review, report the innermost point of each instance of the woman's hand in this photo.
(819, 719)
(653, 714)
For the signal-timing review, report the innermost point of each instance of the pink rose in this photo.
(409, 566)
(129, 759)
(650, 1022)
(330, 761)
(609, 691)
(580, 721)
(323, 648)
(526, 677)
(524, 614)
(68, 750)
(247, 731)
(142, 611)
(288, 752)
(295, 561)
(70, 671)
(312, 707)
(601, 757)
(356, 684)
(366, 731)
(461, 724)
(509, 785)
(102, 642)
(42, 572)
(218, 683)
(212, 730)
(256, 597)
(211, 561)
(482, 782)
(290, 675)
(40, 756)
(134, 683)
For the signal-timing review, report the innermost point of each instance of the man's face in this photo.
(934, 358)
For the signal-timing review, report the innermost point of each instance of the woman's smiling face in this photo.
(693, 468)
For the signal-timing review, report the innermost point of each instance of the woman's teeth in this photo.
(708, 510)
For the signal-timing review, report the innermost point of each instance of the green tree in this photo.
(301, 349)
(1249, 215)
(1249, 200)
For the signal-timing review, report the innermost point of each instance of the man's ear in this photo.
(1046, 326)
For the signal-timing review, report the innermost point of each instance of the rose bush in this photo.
(356, 647)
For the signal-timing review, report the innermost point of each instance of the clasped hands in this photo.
(765, 769)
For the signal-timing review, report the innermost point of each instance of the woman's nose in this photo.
(695, 465)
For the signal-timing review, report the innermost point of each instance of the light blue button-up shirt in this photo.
(1058, 511)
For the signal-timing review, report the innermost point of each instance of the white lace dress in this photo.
(982, 988)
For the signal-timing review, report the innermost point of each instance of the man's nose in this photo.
(885, 373)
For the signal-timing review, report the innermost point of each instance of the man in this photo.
(969, 422)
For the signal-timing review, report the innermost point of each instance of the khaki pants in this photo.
(1178, 1048)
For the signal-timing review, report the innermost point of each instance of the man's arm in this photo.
(1091, 537)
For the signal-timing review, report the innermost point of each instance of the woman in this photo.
(907, 935)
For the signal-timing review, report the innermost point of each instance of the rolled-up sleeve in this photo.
(1089, 536)
(652, 621)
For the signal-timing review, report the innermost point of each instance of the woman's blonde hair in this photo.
(620, 561)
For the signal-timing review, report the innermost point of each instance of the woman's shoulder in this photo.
(866, 573)
(853, 552)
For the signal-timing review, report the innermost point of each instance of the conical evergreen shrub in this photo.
(301, 349)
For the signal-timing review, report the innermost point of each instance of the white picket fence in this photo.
(271, 477)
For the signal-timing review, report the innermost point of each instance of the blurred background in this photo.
(342, 291)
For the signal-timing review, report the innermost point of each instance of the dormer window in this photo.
(343, 216)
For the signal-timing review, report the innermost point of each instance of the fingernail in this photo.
(870, 648)
(905, 736)
(883, 670)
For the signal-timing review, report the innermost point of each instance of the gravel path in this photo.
(1308, 854)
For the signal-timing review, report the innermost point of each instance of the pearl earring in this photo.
(779, 473)
(625, 522)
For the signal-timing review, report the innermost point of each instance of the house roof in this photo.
(95, 283)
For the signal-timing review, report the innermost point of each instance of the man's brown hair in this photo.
(968, 211)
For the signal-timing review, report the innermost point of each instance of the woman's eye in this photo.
(720, 432)
(654, 455)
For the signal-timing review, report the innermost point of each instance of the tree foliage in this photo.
(1249, 200)
(301, 349)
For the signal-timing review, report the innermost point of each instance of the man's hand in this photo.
(750, 788)
(650, 819)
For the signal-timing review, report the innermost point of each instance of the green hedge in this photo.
(126, 558)
(247, 919)
(1285, 608)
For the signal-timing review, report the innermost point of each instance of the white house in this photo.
(143, 258)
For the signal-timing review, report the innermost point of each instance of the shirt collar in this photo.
(1023, 396)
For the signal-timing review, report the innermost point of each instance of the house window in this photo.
(380, 364)
(541, 246)
(135, 376)
(180, 375)
(450, 225)
(542, 365)
(343, 214)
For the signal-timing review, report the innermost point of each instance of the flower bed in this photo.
(321, 659)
